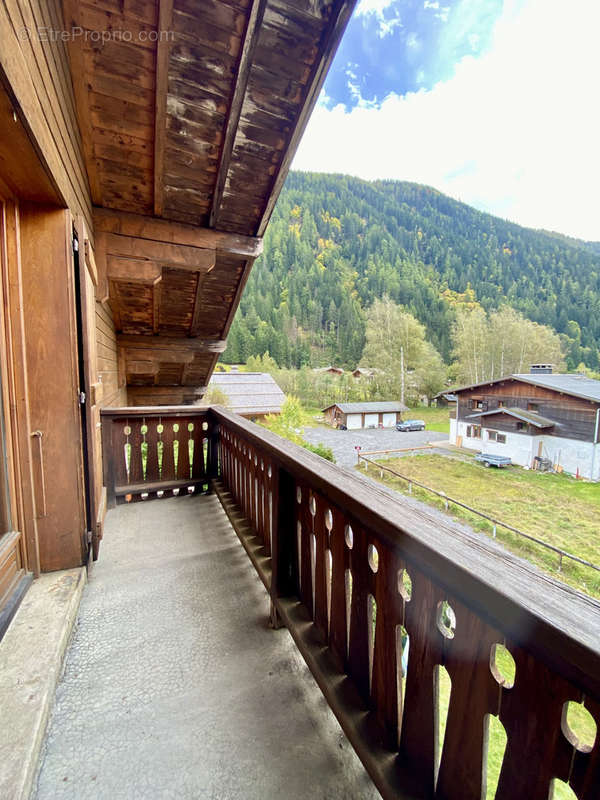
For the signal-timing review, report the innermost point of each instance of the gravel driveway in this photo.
(343, 442)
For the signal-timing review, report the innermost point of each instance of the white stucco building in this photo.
(534, 416)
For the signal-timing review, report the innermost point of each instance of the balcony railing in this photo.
(379, 596)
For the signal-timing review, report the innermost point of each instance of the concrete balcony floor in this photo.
(175, 686)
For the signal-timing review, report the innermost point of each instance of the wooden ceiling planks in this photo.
(190, 112)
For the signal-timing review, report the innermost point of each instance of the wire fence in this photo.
(496, 523)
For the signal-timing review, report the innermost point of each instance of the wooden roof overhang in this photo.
(190, 113)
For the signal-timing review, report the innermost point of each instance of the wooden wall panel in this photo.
(38, 73)
(114, 392)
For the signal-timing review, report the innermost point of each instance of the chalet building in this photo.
(534, 416)
(143, 145)
(362, 372)
(251, 394)
(364, 415)
(330, 370)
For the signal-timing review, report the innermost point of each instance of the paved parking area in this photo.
(343, 442)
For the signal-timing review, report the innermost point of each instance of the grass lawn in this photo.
(556, 508)
(436, 419)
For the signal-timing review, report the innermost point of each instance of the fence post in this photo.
(494, 531)
(108, 460)
(212, 467)
(284, 566)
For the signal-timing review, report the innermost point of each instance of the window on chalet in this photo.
(521, 426)
(474, 431)
(501, 438)
(479, 403)
(492, 435)
(500, 403)
(533, 406)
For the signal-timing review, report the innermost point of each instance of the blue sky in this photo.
(406, 46)
(494, 102)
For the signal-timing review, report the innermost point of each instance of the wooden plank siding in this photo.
(575, 417)
(114, 392)
(38, 73)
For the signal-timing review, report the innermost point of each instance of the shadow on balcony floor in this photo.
(174, 684)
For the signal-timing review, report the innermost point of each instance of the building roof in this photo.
(369, 408)
(571, 384)
(249, 392)
(576, 385)
(330, 368)
(518, 413)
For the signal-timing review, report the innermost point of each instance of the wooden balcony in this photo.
(378, 597)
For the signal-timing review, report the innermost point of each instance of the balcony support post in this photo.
(212, 467)
(283, 551)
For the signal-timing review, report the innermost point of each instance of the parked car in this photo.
(491, 460)
(411, 425)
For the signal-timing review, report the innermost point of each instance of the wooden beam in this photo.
(160, 230)
(243, 73)
(180, 256)
(131, 270)
(172, 343)
(165, 23)
(71, 13)
(340, 16)
(157, 355)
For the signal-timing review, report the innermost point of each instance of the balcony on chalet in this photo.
(142, 151)
(189, 688)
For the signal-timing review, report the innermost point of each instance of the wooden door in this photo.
(49, 312)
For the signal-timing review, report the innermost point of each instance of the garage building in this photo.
(365, 415)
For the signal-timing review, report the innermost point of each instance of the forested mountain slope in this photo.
(335, 243)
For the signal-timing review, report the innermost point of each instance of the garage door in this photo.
(389, 420)
(353, 421)
(371, 420)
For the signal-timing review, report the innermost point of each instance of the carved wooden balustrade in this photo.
(381, 597)
(154, 452)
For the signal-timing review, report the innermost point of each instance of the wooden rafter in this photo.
(195, 259)
(159, 230)
(165, 24)
(243, 73)
(171, 343)
(130, 270)
(337, 24)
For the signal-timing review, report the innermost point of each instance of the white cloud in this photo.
(386, 22)
(376, 7)
(515, 132)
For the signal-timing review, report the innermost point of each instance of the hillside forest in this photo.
(401, 279)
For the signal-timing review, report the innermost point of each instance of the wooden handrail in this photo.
(299, 516)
